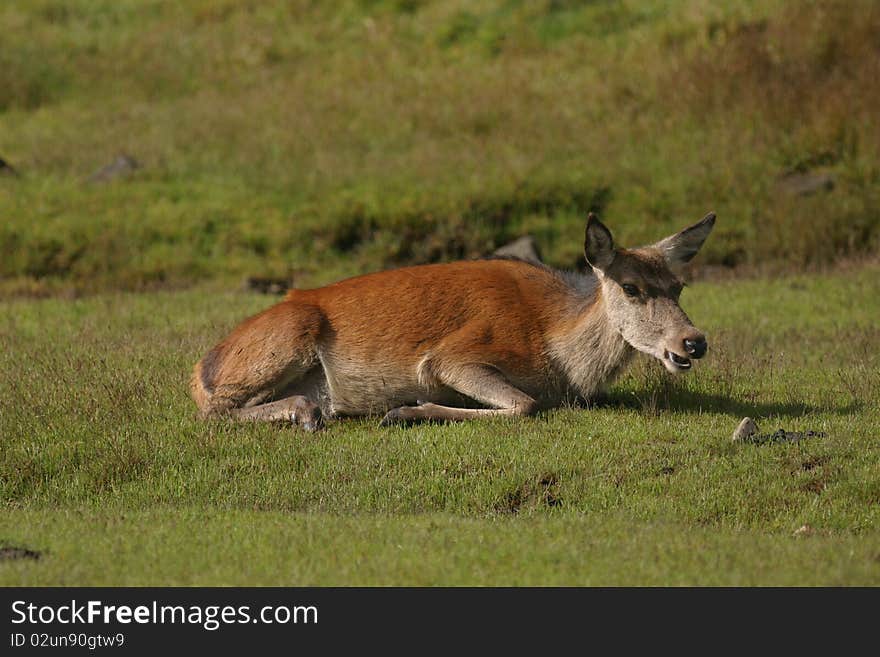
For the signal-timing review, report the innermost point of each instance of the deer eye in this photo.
(631, 290)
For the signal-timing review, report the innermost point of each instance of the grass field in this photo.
(315, 140)
(107, 472)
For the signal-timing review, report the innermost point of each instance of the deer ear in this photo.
(680, 248)
(598, 244)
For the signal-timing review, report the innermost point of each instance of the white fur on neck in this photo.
(589, 351)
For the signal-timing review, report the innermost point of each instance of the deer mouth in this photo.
(678, 362)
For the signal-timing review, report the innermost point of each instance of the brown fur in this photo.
(509, 335)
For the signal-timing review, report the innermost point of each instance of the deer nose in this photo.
(696, 347)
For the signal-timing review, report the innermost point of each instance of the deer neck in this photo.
(590, 350)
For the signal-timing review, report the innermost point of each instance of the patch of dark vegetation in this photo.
(462, 26)
(531, 494)
(817, 472)
(782, 436)
(233, 471)
(419, 231)
(31, 78)
(667, 470)
(119, 466)
(393, 6)
(492, 30)
(15, 553)
(709, 519)
(39, 258)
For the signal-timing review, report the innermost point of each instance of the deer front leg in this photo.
(483, 383)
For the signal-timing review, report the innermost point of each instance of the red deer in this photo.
(427, 342)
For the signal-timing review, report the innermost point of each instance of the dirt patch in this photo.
(12, 553)
(531, 494)
(813, 462)
(815, 485)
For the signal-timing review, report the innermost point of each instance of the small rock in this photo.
(747, 432)
(746, 429)
(7, 169)
(524, 248)
(804, 184)
(122, 167)
(803, 530)
(267, 285)
(781, 435)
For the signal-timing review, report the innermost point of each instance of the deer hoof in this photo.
(310, 421)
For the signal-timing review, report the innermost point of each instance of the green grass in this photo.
(106, 470)
(198, 547)
(328, 139)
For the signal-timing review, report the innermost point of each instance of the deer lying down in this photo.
(425, 343)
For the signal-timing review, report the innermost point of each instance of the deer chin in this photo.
(675, 363)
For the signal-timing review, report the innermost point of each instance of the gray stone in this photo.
(746, 429)
(267, 285)
(524, 248)
(122, 167)
(804, 184)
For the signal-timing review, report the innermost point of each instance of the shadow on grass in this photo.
(653, 401)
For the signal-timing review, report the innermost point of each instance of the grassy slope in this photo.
(291, 137)
(105, 468)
